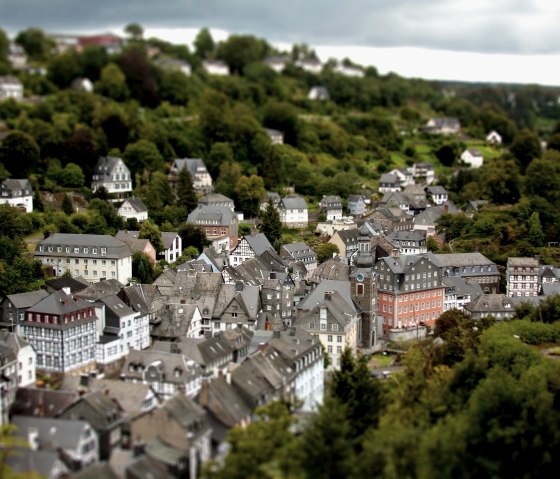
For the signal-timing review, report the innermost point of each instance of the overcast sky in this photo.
(500, 39)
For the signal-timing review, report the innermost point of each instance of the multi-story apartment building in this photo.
(408, 242)
(26, 357)
(62, 330)
(293, 211)
(248, 247)
(522, 276)
(95, 257)
(216, 222)
(410, 292)
(472, 267)
(331, 206)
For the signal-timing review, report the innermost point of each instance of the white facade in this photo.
(17, 193)
(19, 202)
(522, 276)
(173, 244)
(112, 174)
(10, 87)
(127, 210)
(494, 138)
(473, 158)
(215, 68)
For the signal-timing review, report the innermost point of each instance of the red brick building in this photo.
(410, 292)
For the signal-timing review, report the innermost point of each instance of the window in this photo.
(339, 339)
(334, 327)
(329, 349)
(86, 250)
(329, 339)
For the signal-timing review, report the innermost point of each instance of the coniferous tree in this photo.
(186, 195)
(271, 226)
(67, 205)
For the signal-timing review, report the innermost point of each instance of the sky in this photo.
(514, 41)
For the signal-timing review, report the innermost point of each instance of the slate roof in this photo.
(59, 303)
(101, 289)
(53, 432)
(167, 238)
(211, 215)
(387, 178)
(406, 235)
(334, 268)
(26, 300)
(135, 244)
(339, 311)
(41, 402)
(96, 471)
(168, 363)
(193, 164)
(293, 202)
(318, 294)
(204, 351)
(491, 303)
(436, 190)
(75, 284)
(115, 247)
(16, 187)
(299, 250)
(225, 403)
(522, 262)
(45, 463)
(99, 410)
(175, 321)
(146, 467)
(137, 204)
(105, 166)
(462, 259)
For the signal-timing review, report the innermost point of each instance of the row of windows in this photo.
(323, 326)
(53, 319)
(75, 250)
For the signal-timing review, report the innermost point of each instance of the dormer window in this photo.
(86, 250)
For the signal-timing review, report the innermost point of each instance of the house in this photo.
(426, 221)
(271, 196)
(473, 206)
(299, 252)
(172, 246)
(166, 373)
(357, 205)
(241, 309)
(443, 126)
(331, 207)
(95, 257)
(217, 199)
(494, 138)
(389, 183)
(104, 415)
(62, 328)
(438, 194)
(174, 64)
(391, 218)
(176, 321)
(423, 172)
(177, 431)
(123, 329)
(498, 306)
(277, 62)
(217, 261)
(17, 56)
(202, 181)
(522, 277)
(318, 93)
(346, 241)
(335, 321)
(14, 307)
(410, 293)
(216, 222)
(8, 380)
(474, 268)
(349, 70)
(458, 292)
(10, 87)
(329, 228)
(310, 65)
(110, 43)
(82, 84)
(277, 298)
(75, 441)
(215, 67)
(136, 244)
(404, 175)
(472, 157)
(408, 242)
(293, 211)
(25, 355)
(133, 208)
(112, 174)
(17, 193)
(248, 247)
(276, 136)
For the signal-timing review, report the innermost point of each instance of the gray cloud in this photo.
(500, 26)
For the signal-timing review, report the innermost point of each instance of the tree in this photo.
(157, 194)
(203, 44)
(535, 233)
(230, 174)
(326, 251)
(220, 154)
(35, 43)
(525, 148)
(142, 155)
(193, 236)
(250, 193)
(271, 226)
(238, 51)
(19, 153)
(142, 268)
(4, 47)
(140, 76)
(135, 31)
(151, 232)
(186, 195)
(112, 83)
(63, 69)
(67, 206)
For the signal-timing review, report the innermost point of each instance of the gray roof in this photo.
(355, 198)
(204, 351)
(460, 287)
(298, 250)
(523, 262)
(462, 259)
(193, 164)
(225, 403)
(101, 289)
(212, 215)
(389, 178)
(167, 238)
(137, 204)
(75, 284)
(99, 410)
(42, 402)
(491, 303)
(105, 166)
(436, 190)
(318, 294)
(258, 242)
(175, 321)
(168, 363)
(339, 311)
(115, 309)
(44, 463)
(53, 432)
(26, 300)
(96, 471)
(14, 187)
(335, 268)
(293, 202)
(60, 303)
(333, 201)
(115, 247)
(406, 235)
(212, 198)
(136, 244)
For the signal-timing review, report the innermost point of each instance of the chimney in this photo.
(228, 377)
(276, 334)
(262, 347)
(138, 449)
(446, 208)
(328, 295)
(273, 275)
(84, 380)
(238, 286)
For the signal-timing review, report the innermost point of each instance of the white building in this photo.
(95, 257)
(293, 211)
(202, 181)
(133, 208)
(522, 276)
(26, 357)
(472, 157)
(10, 87)
(172, 246)
(112, 174)
(494, 138)
(17, 193)
(215, 67)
